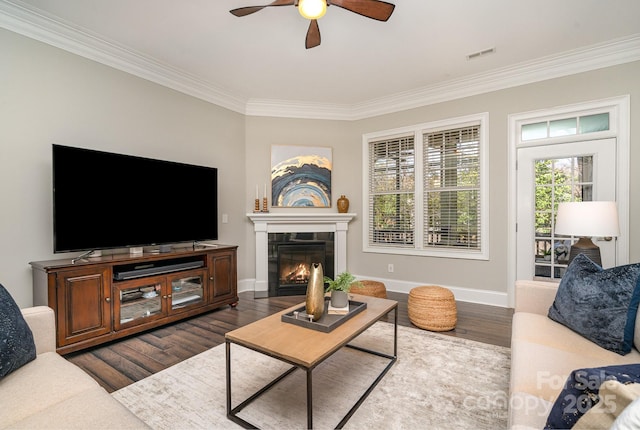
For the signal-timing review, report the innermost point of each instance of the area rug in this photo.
(438, 382)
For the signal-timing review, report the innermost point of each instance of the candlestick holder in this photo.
(264, 205)
(256, 205)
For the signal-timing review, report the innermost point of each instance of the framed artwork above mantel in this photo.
(301, 176)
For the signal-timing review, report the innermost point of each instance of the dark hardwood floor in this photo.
(120, 363)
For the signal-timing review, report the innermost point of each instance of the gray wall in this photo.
(492, 274)
(481, 278)
(51, 96)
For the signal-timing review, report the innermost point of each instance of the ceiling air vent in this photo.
(481, 53)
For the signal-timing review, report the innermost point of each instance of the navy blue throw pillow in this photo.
(595, 303)
(17, 347)
(580, 392)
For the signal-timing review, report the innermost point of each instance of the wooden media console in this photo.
(100, 299)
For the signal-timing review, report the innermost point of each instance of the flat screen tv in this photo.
(104, 200)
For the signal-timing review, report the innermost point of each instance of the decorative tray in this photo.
(327, 322)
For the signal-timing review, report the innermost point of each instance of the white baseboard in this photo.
(246, 285)
(484, 297)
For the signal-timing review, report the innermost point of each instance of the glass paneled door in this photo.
(551, 174)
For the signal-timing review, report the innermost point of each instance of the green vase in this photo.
(315, 292)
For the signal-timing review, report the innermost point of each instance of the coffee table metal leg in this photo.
(232, 412)
(309, 398)
(228, 370)
(395, 332)
(392, 359)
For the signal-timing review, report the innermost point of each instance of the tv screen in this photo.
(105, 200)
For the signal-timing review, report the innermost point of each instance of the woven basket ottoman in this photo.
(432, 308)
(370, 288)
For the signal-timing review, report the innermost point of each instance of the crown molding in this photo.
(296, 109)
(27, 21)
(594, 57)
(577, 61)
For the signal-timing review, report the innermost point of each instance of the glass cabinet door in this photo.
(187, 290)
(138, 302)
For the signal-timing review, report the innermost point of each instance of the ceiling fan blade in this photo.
(313, 35)
(374, 9)
(248, 10)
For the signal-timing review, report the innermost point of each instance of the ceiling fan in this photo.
(315, 9)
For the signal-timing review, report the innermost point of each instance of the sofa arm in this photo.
(41, 320)
(535, 296)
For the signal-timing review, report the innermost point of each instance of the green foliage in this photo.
(553, 185)
(342, 282)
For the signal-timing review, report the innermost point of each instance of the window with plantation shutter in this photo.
(425, 189)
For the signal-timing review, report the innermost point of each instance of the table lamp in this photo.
(586, 220)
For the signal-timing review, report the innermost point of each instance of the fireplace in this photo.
(290, 259)
(298, 227)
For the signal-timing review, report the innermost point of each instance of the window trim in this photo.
(520, 120)
(481, 119)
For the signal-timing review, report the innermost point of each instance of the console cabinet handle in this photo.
(107, 299)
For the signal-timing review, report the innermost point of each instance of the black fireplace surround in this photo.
(290, 259)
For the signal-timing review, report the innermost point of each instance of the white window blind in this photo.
(452, 210)
(391, 192)
(425, 189)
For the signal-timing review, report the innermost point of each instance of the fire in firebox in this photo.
(298, 275)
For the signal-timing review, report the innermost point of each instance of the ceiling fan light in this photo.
(312, 9)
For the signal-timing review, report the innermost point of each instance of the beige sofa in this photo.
(52, 393)
(543, 354)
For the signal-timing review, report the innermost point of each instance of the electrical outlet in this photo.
(225, 218)
(390, 268)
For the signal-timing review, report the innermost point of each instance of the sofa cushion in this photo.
(541, 330)
(542, 370)
(594, 302)
(543, 355)
(39, 385)
(17, 347)
(527, 412)
(92, 409)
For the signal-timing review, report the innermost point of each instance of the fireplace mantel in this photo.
(267, 222)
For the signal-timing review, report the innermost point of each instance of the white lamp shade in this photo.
(588, 219)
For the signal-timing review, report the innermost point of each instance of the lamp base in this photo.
(585, 246)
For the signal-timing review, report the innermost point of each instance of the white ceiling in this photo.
(258, 64)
